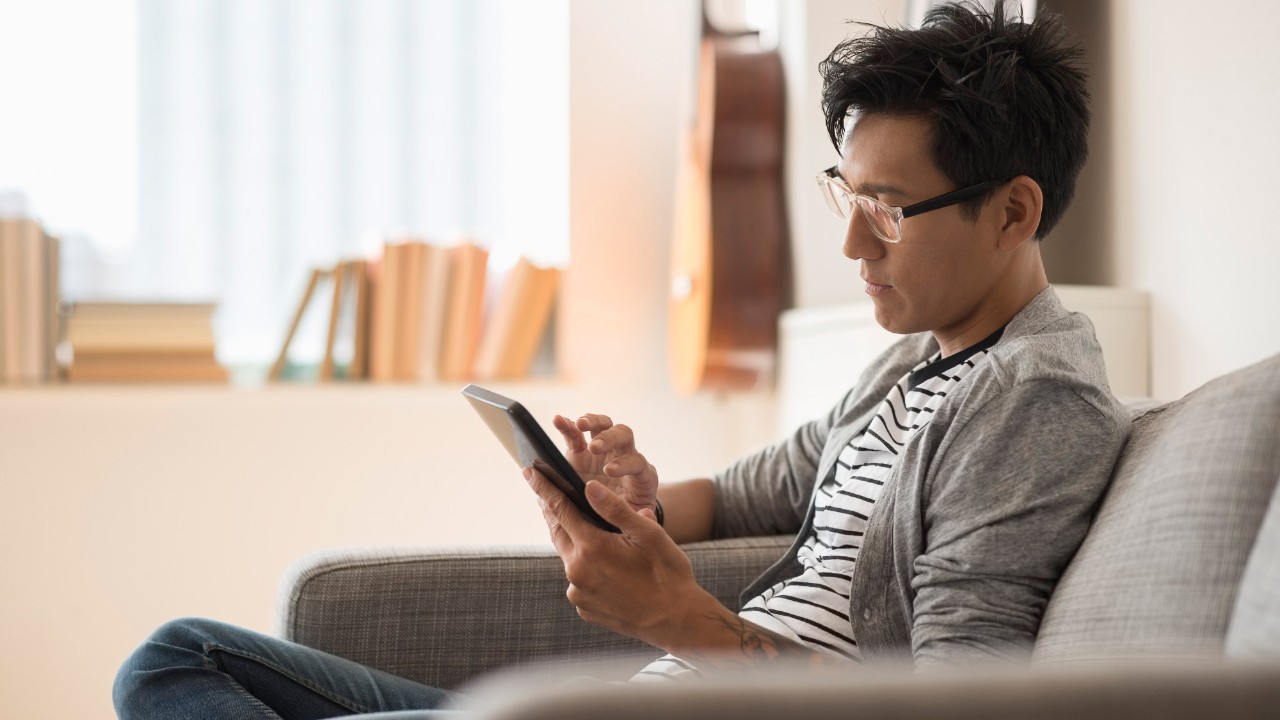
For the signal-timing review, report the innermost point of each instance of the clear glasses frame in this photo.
(886, 220)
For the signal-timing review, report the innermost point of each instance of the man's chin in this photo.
(897, 322)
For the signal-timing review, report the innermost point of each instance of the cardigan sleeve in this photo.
(1007, 505)
(767, 493)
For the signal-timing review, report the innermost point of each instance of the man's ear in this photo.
(1019, 211)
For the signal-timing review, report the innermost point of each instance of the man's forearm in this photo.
(712, 637)
(689, 507)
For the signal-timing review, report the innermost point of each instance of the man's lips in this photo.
(875, 288)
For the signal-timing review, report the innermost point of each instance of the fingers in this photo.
(559, 538)
(593, 423)
(617, 511)
(553, 504)
(605, 436)
(573, 438)
(616, 439)
(557, 509)
(632, 464)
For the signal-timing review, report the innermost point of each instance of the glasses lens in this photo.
(837, 199)
(882, 221)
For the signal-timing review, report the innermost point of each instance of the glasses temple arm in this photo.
(951, 198)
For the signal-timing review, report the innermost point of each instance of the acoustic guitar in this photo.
(730, 273)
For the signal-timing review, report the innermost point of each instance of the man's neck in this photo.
(1019, 288)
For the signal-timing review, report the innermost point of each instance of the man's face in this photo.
(937, 276)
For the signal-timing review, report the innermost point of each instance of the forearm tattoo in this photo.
(758, 645)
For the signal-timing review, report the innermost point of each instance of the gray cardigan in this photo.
(985, 506)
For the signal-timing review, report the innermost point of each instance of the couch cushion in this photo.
(1157, 573)
(1255, 623)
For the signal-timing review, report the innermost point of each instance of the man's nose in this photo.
(859, 242)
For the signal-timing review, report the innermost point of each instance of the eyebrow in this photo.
(880, 189)
(870, 188)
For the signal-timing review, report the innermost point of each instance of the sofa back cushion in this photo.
(1157, 574)
(1255, 622)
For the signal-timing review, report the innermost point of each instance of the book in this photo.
(282, 359)
(28, 314)
(34, 314)
(53, 325)
(464, 313)
(142, 342)
(160, 335)
(422, 299)
(339, 276)
(359, 369)
(345, 303)
(434, 302)
(409, 311)
(518, 322)
(144, 310)
(10, 273)
(99, 358)
(114, 326)
(143, 370)
(386, 307)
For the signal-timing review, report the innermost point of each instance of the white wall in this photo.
(120, 509)
(809, 30)
(1175, 199)
(1197, 161)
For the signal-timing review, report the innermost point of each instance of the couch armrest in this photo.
(445, 615)
(1182, 690)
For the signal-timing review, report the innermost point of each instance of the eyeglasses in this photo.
(886, 220)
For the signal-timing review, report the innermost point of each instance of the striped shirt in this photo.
(812, 608)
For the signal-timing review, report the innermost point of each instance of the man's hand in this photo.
(637, 582)
(640, 583)
(610, 458)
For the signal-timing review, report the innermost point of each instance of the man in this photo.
(934, 506)
(981, 443)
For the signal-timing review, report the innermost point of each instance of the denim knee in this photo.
(177, 643)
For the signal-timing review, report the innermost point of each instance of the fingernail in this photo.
(596, 491)
(528, 473)
(611, 467)
(597, 444)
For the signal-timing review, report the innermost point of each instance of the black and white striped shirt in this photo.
(812, 608)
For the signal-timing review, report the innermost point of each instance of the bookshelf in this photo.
(419, 312)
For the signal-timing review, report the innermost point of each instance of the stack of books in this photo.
(142, 342)
(419, 315)
(29, 319)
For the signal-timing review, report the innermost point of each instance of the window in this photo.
(220, 148)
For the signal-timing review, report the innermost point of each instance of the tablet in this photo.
(529, 446)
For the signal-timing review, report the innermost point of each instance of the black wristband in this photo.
(657, 512)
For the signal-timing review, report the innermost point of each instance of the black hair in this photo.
(1004, 97)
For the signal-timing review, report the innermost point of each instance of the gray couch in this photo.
(1182, 564)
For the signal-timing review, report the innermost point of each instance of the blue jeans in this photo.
(196, 668)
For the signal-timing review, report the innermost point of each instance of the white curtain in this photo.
(275, 135)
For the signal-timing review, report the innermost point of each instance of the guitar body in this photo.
(731, 260)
